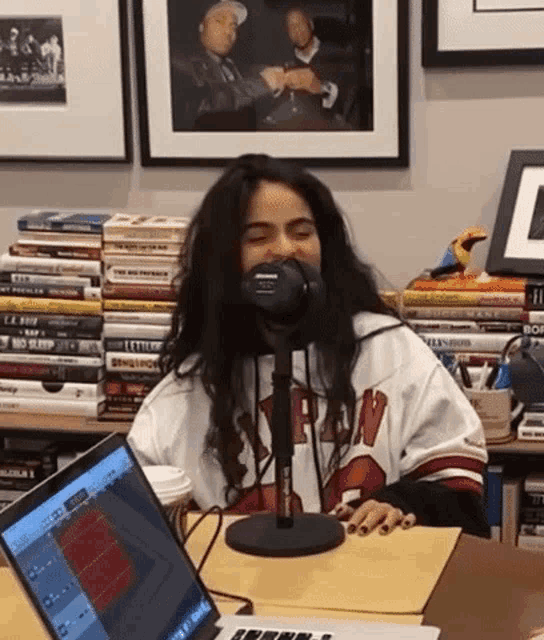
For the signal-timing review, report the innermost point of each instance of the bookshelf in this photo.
(60, 423)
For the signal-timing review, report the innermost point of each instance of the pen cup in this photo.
(494, 406)
(174, 491)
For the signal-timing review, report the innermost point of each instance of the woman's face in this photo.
(279, 225)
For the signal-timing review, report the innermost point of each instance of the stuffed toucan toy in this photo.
(457, 256)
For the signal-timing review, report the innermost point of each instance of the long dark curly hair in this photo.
(213, 332)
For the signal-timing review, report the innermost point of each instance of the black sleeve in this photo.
(435, 505)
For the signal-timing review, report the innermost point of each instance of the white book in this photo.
(119, 361)
(143, 246)
(136, 317)
(158, 270)
(56, 237)
(60, 266)
(534, 482)
(531, 543)
(458, 341)
(85, 408)
(142, 331)
(17, 277)
(128, 225)
(42, 358)
(15, 388)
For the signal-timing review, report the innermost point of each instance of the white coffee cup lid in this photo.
(169, 483)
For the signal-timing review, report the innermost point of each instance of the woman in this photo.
(382, 434)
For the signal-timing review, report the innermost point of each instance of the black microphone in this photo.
(285, 291)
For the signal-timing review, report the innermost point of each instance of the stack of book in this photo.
(531, 426)
(467, 320)
(141, 262)
(23, 465)
(51, 350)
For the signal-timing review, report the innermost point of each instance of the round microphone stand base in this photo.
(259, 535)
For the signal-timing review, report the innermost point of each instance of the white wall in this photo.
(463, 125)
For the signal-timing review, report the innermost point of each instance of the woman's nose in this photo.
(284, 247)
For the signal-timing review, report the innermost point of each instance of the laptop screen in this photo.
(97, 557)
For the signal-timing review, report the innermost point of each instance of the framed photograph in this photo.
(63, 81)
(482, 32)
(324, 82)
(517, 243)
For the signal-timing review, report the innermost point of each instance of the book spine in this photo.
(468, 283)
(58, 266)
(43, 358)
(142, 273)
(69, 334)
(132, 331)
(114, 388)
(60, 237)
(131, 377)
(133, 346)
(493, 495)
(469, 312)
(466, 342)
(475, 359)
(534, 296)
(59, 221)
(84, 408)
(469, 326)
(132, 226)
(55, 251)
(533, 330)
(10, 304)
(142, 246)
(463, 298)
(17, 484)
(7, 496)
(532, 508)
(146, 306)
(21, 470)
(138, 292)
(48, 291)
(59, 346)
(511, 497)
(16, 277)
(533, 317)
(51, 372)
(130, 362)
(47, 321)
(132, 401)
(121, 408)
(66, 391)
(136, 317)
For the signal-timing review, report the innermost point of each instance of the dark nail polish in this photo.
(363, 530)
(384, 529)
(351, 528)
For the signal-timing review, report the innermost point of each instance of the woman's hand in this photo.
(373, 514)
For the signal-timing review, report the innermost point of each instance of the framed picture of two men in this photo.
(320, 80)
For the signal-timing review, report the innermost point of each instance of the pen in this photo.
(483, 376)
(492, 376)
(465, 377)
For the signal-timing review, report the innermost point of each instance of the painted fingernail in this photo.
(384, 529)
(363, 530)
(351, 528)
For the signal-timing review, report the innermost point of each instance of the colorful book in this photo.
(19, 304)
(80, 221)
(463, 298)
(470, 282)
(508, 313)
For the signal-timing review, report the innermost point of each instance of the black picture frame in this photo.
(77, 108)
(464, 33)
(385, 145)
(517, 242)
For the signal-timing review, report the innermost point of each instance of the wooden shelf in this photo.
(49, 422)
(517, 447)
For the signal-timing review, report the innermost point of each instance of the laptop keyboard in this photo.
(270, 634)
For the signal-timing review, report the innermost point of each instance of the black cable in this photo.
(312, 429)
(248, 607)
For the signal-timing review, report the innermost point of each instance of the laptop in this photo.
(98, 560)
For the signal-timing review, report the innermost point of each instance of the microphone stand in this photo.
(284, 534)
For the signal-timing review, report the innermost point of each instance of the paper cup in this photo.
(174, 490)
